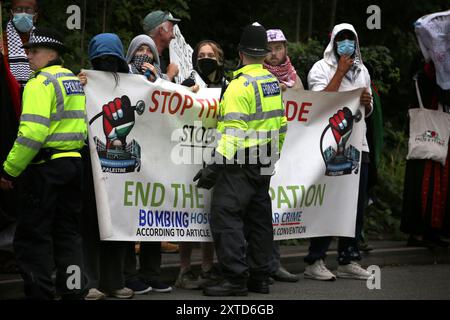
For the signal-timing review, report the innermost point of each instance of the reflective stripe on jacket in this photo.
(53, 117)
(251, 112)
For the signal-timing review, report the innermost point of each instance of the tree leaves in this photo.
(123, 17)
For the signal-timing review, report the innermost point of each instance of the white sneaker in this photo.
(318, 271)
(353, 271)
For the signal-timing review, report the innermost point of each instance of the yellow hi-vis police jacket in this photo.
(251, 112)
(53, 116)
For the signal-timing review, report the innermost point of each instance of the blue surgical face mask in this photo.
(23, 22)
(346, 47)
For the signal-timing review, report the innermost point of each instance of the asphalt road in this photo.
(286, 301)
(417, 282)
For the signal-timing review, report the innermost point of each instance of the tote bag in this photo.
(429, 131)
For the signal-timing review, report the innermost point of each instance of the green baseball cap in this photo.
(155, 18)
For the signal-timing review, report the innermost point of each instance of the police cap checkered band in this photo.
(46, 38)
(41, 39)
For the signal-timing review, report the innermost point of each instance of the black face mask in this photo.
(207, 66)
(139, 60)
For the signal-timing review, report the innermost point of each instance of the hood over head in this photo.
(330, 55)
(106, 44)
(139, 41)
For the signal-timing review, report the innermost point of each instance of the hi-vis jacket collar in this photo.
(246, 69)
(46, 68)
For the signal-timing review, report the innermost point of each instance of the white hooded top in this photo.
(324, 70)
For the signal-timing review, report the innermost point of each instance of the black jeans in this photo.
(241, 223)
(47, 234)
(149, 261)
(347, 247)
(103, 261)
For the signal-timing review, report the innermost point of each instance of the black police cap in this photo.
(254, 41)
(46, 38)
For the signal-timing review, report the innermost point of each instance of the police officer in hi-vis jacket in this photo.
(252, 126)
(45, 164)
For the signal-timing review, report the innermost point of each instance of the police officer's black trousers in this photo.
(241, 223)
(47, 234)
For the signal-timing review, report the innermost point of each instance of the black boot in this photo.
(226, 288)
(258, 286)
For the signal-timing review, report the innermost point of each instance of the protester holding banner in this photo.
(159, 26)
(24, 14)
(143, 58)
(342, 69)
(426, 195)
(241, 208)
(279, 64)
(208, 61)
(103, 260)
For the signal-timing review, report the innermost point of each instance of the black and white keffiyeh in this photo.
(18, 61)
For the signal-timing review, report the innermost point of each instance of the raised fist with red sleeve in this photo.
(118, 121)
(342, 125)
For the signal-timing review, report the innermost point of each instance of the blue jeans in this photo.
(275, 263)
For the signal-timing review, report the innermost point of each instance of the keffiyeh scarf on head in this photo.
(285, 72)
(18, 61)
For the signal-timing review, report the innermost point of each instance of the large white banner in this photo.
(315, 189)
(148, 140)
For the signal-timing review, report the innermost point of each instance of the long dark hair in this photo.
(110, 63)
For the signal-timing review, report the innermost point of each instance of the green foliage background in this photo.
(392, 52)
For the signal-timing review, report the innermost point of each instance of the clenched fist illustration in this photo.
(118, 121)
(342, 125)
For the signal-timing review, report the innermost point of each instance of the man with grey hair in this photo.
(159, 26)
